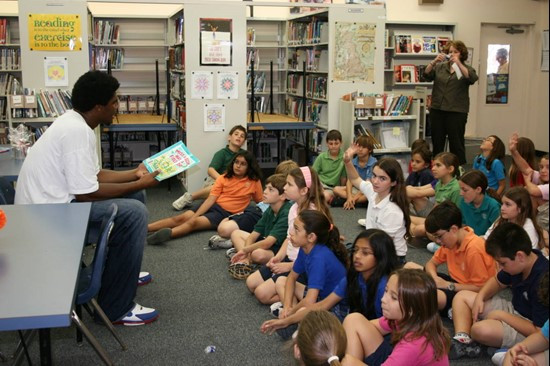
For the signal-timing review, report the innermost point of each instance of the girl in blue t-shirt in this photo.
(490, 162)
(322, 257)
(373, 259)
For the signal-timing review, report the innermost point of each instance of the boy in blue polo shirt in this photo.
(363, 163)
(504, 323)
(329, 165)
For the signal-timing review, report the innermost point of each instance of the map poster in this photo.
(354, 52)
(202, 85)
(228, 85)
(171, 161)
(214, 117)
(215, 41)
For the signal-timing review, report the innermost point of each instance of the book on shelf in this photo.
(396, 73)
(403, 43)
(106, 32)
(442, 44)
(360, 130)
(420, 71)
(387, 59)
(408, 73)
(102, 56)
(429, 44)
(178, 28)
(258, 83)
(417, 44)
(9, 84)
(10, 59)
(253, 54)
(171, 161)
(250, 36)
(4, 31)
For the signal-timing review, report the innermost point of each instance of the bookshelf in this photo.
(395, 133)
(137, 48)
(408, 48)
(10, 68)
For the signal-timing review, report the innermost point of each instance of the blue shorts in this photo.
(450, 295)
(267, 274)
(381, 354)
(216, 214)
(247, 219)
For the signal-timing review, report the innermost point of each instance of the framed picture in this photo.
(216, 41)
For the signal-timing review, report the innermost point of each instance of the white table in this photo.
(40, 253)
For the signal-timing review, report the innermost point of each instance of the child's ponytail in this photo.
(318, 223)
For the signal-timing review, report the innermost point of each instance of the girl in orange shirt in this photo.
(229, 199)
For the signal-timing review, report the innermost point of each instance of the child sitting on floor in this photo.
(229, 200)
(329, 165)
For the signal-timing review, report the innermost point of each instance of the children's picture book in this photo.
(429, 44)
(441, 43)
(397, 73)
(417, 44)
(171, 161)
(403, 43)
(408, 74)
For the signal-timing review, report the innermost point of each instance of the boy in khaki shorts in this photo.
(504, 323)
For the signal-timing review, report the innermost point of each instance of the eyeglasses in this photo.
(438, 238)
(240, 163)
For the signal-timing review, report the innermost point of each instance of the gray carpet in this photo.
(199, 305)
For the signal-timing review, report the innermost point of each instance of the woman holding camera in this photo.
(450, 100)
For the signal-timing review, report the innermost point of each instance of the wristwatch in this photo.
(451, 286)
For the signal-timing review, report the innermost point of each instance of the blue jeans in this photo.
(126, 243)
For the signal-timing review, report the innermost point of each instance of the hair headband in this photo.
(333, 358)
(307, 175)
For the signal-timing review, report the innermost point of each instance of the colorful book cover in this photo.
(403, 43)
(171, 161)
(441, 43)
(429, 44)
(408, 74)
(417, 44)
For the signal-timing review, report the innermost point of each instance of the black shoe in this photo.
(337, 202)
(286, 333)
(463, 350)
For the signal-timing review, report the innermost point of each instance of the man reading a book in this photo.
(63, 167)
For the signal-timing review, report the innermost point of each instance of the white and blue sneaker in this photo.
(144, 278)
(432, 247)
(275, 308)
(139, 315)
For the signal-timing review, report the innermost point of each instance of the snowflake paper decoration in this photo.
(214, 116)
(201, 84)
(227, 84)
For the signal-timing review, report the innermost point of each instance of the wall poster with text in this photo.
(216, 39)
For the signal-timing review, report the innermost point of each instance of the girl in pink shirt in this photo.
(409, 308)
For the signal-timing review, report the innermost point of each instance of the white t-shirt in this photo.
(385, 215)
(62, 163)
(528, 227)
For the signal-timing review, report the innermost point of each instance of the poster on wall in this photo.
(56, 71)
(349, 63)
(228, 85)
(214, 117)
(202, 85)
(55, 32)
(215, 41)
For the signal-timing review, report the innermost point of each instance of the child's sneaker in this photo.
(275, 308)
(498, 357)
(144, 278)
(461, 350)
(230, 253)
(432, 247)
(362, 222)
(217, 242)
(287, 332)
(241, 271)
(185, 200)
(139, 315)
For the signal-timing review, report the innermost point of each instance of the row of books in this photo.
(179, 113)
(420, 44)
(261, 104)
(406, 73)
(316, 86)
(102, 56)
(178, 28)
(258, 83)
(138, 105)
(3, 107)
(176, 58)
(47, 103)
(10, 59)
(316, 60)
(106, 32)
(177, 85)
(9, 84)
(252, 54)
(300, 33)
(4, 134)
(367, 105)
(315, 111)
(4, 31)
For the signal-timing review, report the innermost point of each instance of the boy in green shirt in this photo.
(264, 242)
(218, 166)
(329, 165)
